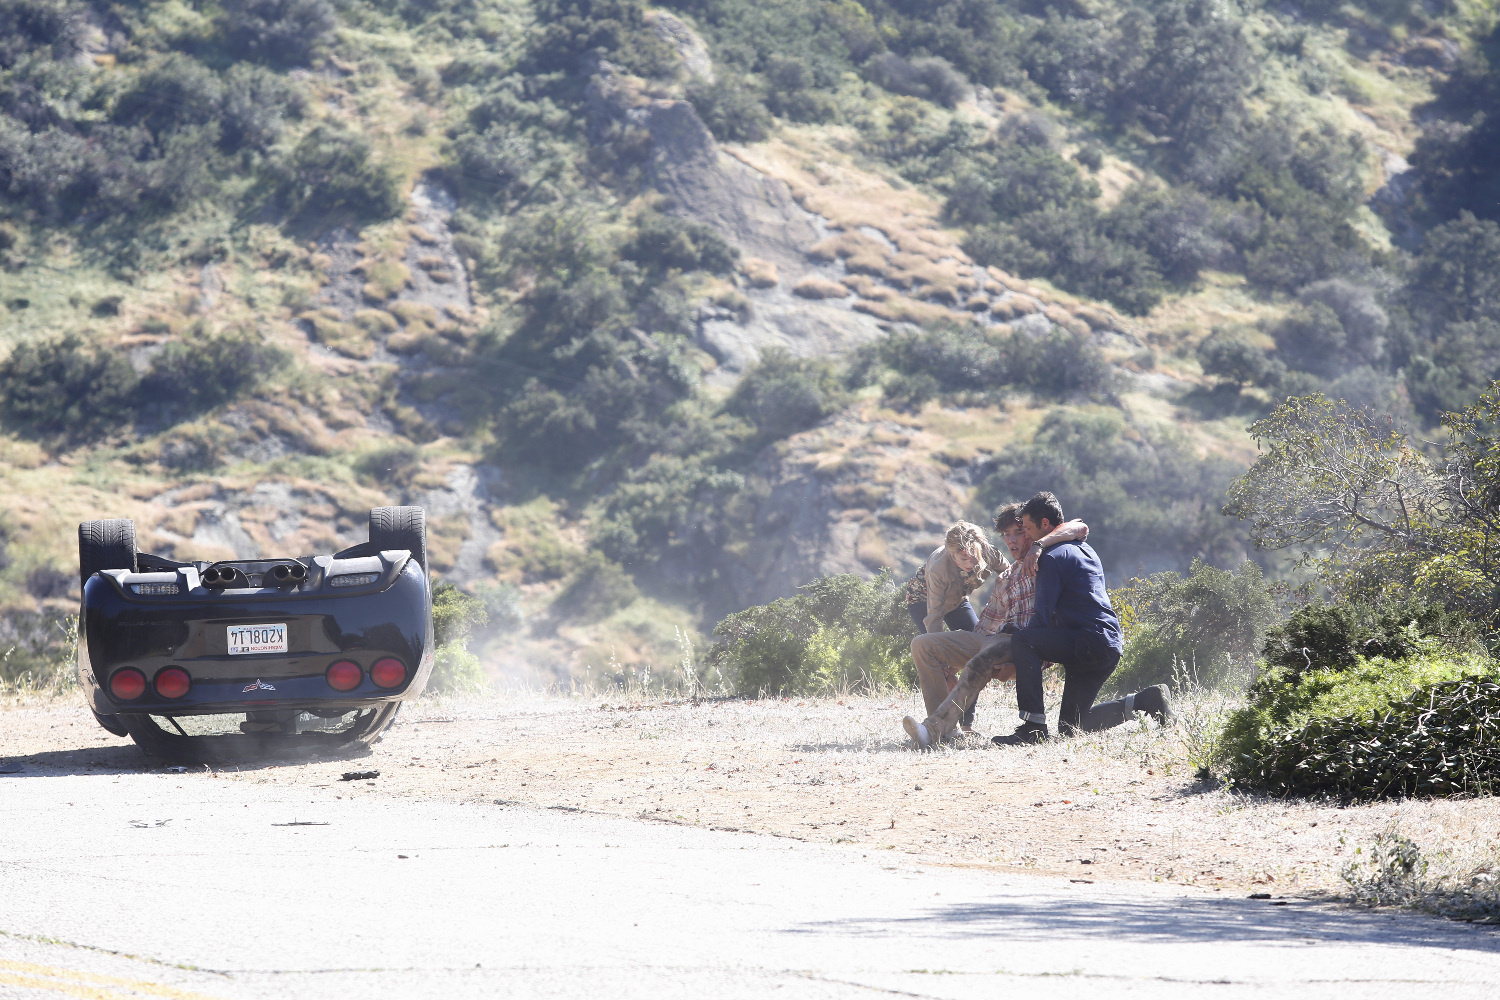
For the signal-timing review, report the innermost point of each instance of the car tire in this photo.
(108, 544)
(400, 528)
(246, 748)
(111, 723)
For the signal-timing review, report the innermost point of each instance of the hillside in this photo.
(664, 310)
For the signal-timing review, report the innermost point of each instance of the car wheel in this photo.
(106, 544)
(111, 723)
(241, 748)
(400, 528)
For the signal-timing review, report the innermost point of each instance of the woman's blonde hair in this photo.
(966, 537)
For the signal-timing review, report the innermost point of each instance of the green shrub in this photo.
(1382, 730)
(202, 369)
(1069, 245)
(255, 105)
(1321, 636)
(662, 242)
(732, 108)
(1231, 356)
(67, 385)
(932, 78)
(285, 32)
(597, 589)
(455, 615)
(668, 504)
(838, 633)
(333, 171)
(573, 32)
(59, 27)
(43, 648)
(177, 91)
(968, 359)
(1205, 626)
(783, 394)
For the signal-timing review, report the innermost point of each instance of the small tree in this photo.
(1370, 510)
(1229, 355)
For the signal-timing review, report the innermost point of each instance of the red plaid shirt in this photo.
(1013, 601)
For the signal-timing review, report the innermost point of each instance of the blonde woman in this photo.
(939, 592)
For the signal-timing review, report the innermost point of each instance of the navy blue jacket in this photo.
(1070, 592)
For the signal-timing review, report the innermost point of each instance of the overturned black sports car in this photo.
(250, 658)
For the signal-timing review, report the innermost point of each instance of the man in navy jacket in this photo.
(1075, 626)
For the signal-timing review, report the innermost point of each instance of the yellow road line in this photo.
(88, 985)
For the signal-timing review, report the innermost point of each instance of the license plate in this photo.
(244, 639)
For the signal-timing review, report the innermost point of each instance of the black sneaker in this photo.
(1026, 734)
(1156, 701)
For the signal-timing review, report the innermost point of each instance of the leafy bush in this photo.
(67, 385)
(175, 92)
(732, 108)
(783, 394)
(838, 633)
(1070, 246)
(1443, 739)
(1205, 626)
(932, 78)
(333, 171)
(573, 33)
(662, 242)
(597, 589)
(58, 26)
(968, 359)
(1231, 356)
(455, 615)
(1320, 636)
(668, 504)
(203, 369)
(285, 32)
(255, 105)
(1454, 300)
(43, 649)
(1456, 156)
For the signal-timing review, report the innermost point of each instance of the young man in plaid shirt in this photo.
(947, 687)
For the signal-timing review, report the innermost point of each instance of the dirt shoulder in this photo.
(1121, 805)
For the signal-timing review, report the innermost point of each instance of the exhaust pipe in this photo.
(222, 576)
(286, 574)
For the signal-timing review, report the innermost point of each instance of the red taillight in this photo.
(173, 682)
(388, 673)
(344, 676)
(128, 684)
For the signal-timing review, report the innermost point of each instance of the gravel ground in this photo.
(1120, 805)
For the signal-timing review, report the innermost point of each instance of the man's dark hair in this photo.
(1043, 505)
(1007, 514)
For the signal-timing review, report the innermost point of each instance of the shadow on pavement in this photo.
(130, 758)
(1181, 921)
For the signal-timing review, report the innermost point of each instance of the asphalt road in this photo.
(180, 886)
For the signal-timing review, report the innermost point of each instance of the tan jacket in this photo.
(947, 585)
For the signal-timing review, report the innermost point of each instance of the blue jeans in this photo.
(960, 619)
(1087, 661)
